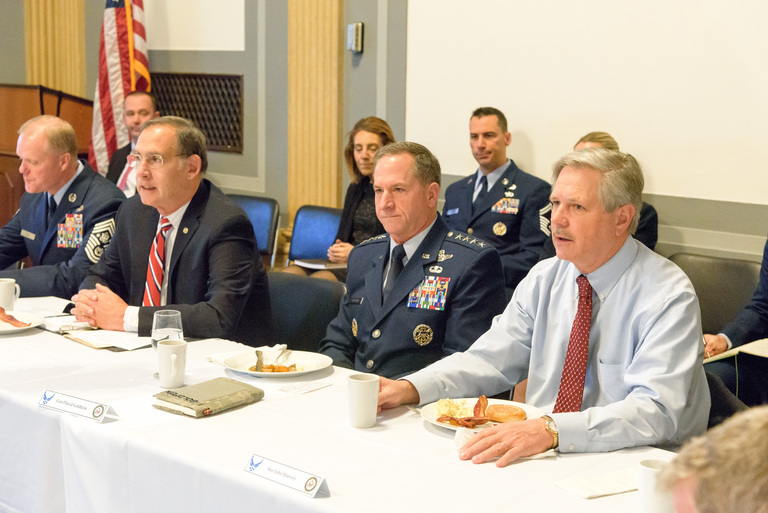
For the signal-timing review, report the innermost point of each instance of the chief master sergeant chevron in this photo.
(66, 216)
(421, 291)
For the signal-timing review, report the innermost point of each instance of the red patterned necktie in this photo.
(572, 381)
(155, 268)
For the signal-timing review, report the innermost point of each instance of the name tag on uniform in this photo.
(452, 211)
(430, 294)
(506, 206)
(28, 235)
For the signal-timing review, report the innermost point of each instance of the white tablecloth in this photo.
(147, 460)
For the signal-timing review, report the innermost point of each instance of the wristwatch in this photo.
(552, 429)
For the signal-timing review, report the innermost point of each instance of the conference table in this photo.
(142, 459)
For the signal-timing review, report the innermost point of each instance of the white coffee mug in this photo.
(9, 293)
(172, 361)
(363, 399)
(651, 499)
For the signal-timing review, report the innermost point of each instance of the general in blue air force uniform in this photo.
(449, 289)
(64, 238)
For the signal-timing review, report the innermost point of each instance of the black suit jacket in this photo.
(514, 217)
(408, 332)
(58, 265)
(215, 267)
(117, 163)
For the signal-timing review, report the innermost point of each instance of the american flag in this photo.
(123, 67)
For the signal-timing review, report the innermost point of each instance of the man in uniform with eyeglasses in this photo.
(179, 244)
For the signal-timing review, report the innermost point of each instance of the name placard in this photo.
(308, 484)
(73, 405)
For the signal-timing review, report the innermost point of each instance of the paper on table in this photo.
(101, 339)
(46, 306)
(757, 348)
(320, 263)
(591, 487)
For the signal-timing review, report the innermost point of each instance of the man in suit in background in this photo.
(500, 202)
(66, 216)
(751, 324)
(138, 108)
(421, 291)
(179, 244)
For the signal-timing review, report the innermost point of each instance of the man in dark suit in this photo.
(179, 244)
(138, 108)
(66, 216)
(751, 324)
(500, 202)
(421, 291)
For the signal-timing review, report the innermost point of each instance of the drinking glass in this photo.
(166, 325)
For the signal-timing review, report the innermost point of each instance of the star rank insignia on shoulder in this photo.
(374, 239)
(465, 240)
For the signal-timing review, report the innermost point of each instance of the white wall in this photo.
(200, 25)
(681, 85)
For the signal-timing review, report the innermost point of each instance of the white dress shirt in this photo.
(644, 385)
(131, 316)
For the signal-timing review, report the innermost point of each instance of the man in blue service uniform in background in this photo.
(500, 202)
(421, 291)
(66, 216)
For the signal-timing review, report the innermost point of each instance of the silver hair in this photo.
(622, 182)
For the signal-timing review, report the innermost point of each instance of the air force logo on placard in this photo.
(99, 239)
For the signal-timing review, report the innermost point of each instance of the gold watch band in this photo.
(552, 429)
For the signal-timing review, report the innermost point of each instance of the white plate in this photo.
(429, 412)
(305, 361)
(34, 321)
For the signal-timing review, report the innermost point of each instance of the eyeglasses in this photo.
(153, 160)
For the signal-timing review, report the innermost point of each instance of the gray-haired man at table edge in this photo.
(643, 383)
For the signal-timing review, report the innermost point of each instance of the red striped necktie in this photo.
(155, 268)
(571, 390)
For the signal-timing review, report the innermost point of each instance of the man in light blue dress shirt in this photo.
(644, 383)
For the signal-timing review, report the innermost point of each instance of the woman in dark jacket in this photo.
(358, 219)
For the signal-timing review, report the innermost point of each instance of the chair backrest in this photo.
(724, 286)
(302, 308)
(264, 214)
(314, 231)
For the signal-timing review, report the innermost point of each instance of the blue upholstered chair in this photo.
(314, 231)
(264, 214)
(302, 308)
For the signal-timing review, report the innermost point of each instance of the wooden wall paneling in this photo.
(314, 103)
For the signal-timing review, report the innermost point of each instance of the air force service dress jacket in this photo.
(63, 252)
(514, 217)
(215, 266)
(444, 299)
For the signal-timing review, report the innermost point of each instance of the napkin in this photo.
(269, 352)
(463, 435)
(591, 487)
